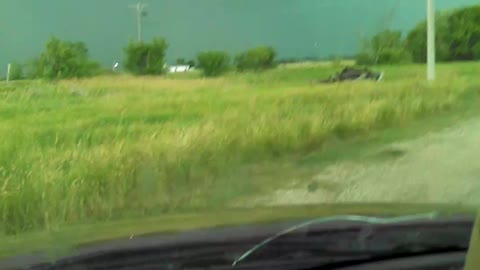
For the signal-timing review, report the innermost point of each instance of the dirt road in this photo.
(442, 167)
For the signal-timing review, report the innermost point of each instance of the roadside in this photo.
(434, 160)
(437, 168)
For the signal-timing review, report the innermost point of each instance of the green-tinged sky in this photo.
(297, 28)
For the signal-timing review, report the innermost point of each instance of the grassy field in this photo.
(115, 147)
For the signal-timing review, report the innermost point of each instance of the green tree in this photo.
(464, 33)
(476, 51)
(16, 72)
(63, 59)
(259, 58)
(213, 63)
(386, 47)
(146, 58)
(457, 36)
(416, 42)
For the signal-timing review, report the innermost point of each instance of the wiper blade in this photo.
(350, 218)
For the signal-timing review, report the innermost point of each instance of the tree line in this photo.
(457, 38)
(64, 59)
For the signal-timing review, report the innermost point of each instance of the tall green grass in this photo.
(111, 147)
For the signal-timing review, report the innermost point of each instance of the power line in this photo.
(140, 13)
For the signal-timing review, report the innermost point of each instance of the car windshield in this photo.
(123, 117)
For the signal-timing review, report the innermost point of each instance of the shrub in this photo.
(146, 58)
(389, 48)
(259, 58)
(191, 63)
(386, 47)
(364, 59)
(63, 59)
(391, 56)
(213, 63)
(16, 72)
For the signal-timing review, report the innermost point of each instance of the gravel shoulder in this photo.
(440, 167)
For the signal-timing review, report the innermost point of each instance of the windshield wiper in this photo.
(362, 238)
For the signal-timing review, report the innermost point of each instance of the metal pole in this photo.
(431, 40)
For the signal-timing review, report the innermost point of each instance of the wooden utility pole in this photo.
(140, 12)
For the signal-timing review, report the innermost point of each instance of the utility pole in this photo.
(431, 40)
(473, 260)
(9, 69)
(140, 11)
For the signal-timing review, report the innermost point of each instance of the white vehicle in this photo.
(179, 68)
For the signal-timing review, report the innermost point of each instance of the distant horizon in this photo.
(300, 30)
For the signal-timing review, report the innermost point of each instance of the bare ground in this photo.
(441, 167)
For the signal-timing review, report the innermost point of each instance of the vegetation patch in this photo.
(171, 145)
